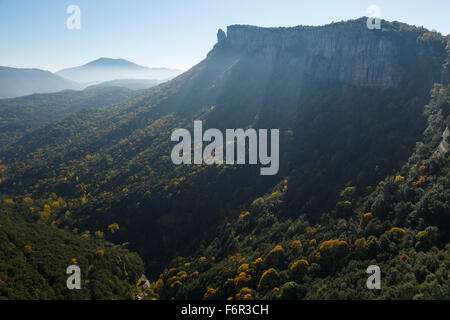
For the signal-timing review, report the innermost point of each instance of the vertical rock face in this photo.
(221, 36)
(446, 69)
(348, 52)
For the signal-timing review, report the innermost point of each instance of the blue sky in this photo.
(170, 33)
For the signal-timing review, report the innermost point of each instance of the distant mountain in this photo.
(133, 84)
(15, 82)
(106, 69)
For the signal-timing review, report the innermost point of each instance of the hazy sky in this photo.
(170, 33)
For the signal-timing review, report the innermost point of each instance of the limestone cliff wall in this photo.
(348, 52)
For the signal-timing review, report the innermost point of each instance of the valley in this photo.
(360, 114)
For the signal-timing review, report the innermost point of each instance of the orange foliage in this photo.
(244, 214)
(275, 256)
(310, 231)
(242, 279)
(210, 293)
(332, 250)
(365, 219)
(243, 268)
(296, 244)
(421, 180)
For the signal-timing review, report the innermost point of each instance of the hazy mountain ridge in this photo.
(133, 84)
(15, 82)
(22, 115)
(107, 69)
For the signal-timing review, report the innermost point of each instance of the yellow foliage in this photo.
(9, 201)
(330, 244)
(332, 250)
(181, 275)
(244, 294)
(194, 274)
(46, 213)
(258, 260)
(244, 214)
(243, 268)
(158, 286)
(403, 257)
(296, 244)
(365, 219)
(310, 231)
(101, 252)
(299, 267)
(269, 279)
(273, 195)
(397, 230)
(28, 201)
(114, 227)
(99, 234)
(303, 263)
(275, 256)
(74, 261)
(209, 294)
(421, 180)
(399, 178)
(242, 279)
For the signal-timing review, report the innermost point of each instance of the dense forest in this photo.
(34, 257)
(355, 187)
(401, 225)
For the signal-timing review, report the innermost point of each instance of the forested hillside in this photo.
(23, 115)
(401, 226)
(34, 257)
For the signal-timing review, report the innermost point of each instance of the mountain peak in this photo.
(107, 69)
(110, 62)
